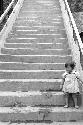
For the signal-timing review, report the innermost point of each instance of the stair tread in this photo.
(29, 93)
(29, 109)
(31, 80)
(35, 55)
(21, 51)
(31, 66)
(30, 85)
(36, 123)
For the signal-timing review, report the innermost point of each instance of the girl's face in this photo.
(69, 69)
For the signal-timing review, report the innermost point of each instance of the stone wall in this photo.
(76, 7)
(6, 3)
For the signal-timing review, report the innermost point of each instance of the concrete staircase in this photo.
(31, 64)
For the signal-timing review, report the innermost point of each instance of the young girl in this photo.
(70, 83)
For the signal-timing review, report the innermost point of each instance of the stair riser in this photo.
(29, 86)
(15, 66)
(36, 100)
(40, 116)
(37, 28)
(35, 40)
(34, 52)
(37, 46)
(35, 59)
(21, 32)
(32, 24)
(59, 19)
(40, 16)
(49, 8)
(36, 36)
(37, 4)
(57, 10)
(45, 99)
(31, 75)
(45, 5)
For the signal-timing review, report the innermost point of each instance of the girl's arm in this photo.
(80, 79)
(62, 83)
(63, 80)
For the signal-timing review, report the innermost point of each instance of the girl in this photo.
(70, 83)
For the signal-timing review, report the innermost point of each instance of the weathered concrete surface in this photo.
(54, 123)
(33, 59)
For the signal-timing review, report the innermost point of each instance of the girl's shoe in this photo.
(66, 106)
(76, 106)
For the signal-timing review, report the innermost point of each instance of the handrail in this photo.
(74, 39)
(75, 30)
(10, 21)
(6, 11)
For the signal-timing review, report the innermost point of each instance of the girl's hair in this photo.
(71, 64)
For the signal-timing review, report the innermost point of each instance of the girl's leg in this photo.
(66, 99)
(75, 100)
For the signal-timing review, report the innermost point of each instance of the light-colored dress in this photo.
(71, 84)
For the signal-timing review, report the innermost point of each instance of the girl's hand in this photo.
(61, 86)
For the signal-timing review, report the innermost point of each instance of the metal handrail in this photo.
(76, 35)
(6, 11)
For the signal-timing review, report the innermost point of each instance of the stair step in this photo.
(30, 85)
(37, 31)
(57, 114)
(37, 27)
(31, 74)
(40, 10)
(32, 24)
(21, 51)
(34, 98)
(41, 4)
(31, 66)
(39, 40)
(48, 8)
(38, 19)
(36, 36)
(43, 12)
(35, 58)
(37, 45)
(52, 13)
(39, 16)
(36, 123)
